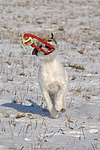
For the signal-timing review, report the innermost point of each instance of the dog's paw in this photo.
(59, 108)
(54, 113)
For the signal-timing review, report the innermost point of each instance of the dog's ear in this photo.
(52, 35)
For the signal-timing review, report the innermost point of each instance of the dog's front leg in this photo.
(60, 103)
(50, 106)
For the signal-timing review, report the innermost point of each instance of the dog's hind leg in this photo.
(49, 103)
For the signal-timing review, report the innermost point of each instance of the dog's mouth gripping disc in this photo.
(28, 40)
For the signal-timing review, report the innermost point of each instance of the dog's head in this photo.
(50, 40)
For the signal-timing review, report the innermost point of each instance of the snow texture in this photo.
(25, 122)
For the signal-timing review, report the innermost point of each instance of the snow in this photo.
(25, 122)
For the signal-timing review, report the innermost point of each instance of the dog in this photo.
(52, 78)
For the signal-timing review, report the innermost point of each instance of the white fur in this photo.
(53, 82)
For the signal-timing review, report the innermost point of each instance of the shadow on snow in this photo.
(34, 108)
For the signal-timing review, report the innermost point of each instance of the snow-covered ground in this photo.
(25, 123)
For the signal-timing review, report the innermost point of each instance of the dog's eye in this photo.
(50, 40)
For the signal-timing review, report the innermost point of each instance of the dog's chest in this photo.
(49, 72)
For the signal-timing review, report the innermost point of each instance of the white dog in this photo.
(52, 79)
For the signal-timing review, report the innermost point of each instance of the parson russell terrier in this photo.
(52, 78)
